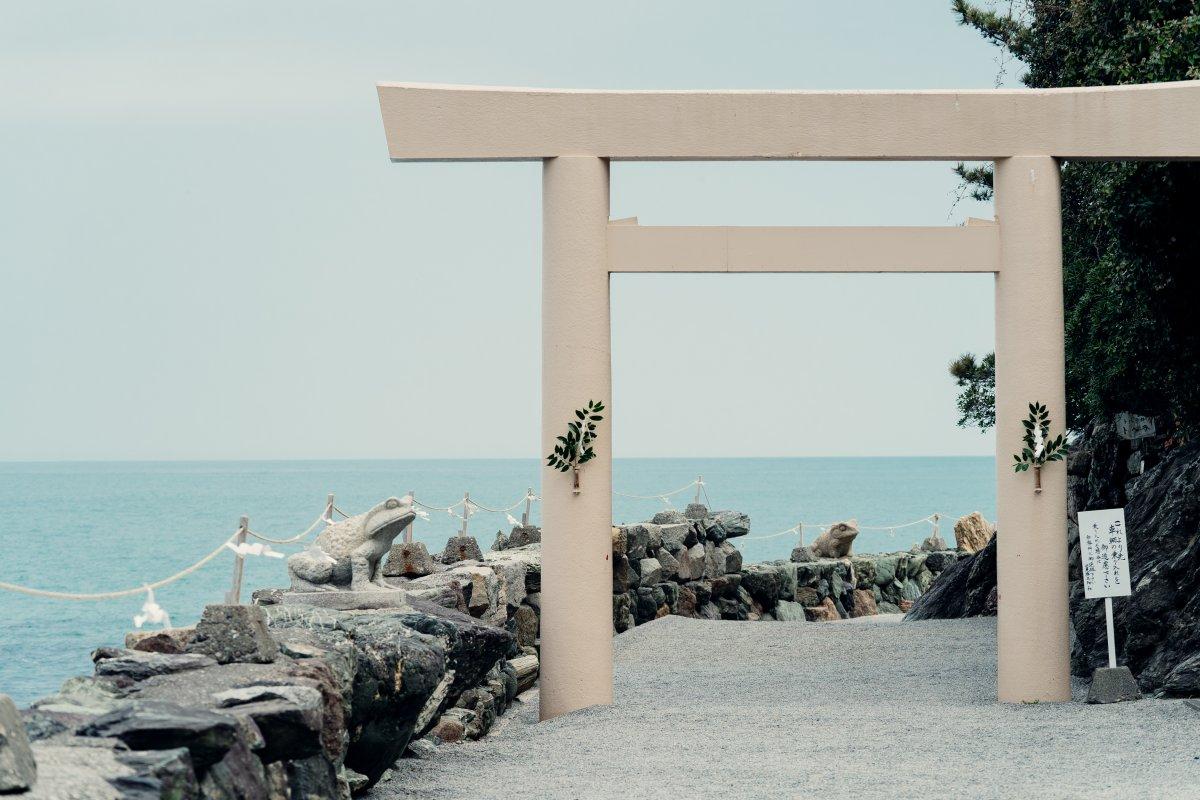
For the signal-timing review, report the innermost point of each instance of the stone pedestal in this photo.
(347, 600)
(1113, 685)
(409, 560)
(233, 633)
(461, 548)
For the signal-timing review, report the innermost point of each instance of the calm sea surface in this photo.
(93, 527)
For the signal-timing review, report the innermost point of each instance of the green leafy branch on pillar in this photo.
(1039, 447)
(575, 448)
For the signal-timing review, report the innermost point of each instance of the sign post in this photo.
(1104, 552)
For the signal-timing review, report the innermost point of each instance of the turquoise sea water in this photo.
(92, 527)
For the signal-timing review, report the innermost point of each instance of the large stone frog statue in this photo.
(347, 554)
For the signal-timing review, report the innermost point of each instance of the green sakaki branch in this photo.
(575, 448)
(1039, 447)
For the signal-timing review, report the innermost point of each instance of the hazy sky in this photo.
(205, 252)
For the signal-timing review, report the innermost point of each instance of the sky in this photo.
(205, 252)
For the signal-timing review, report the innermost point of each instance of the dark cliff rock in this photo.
(965, 589)
(337, 704)
(1158, 625)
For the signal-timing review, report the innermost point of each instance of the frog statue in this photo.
(347, 554)
(837, 541)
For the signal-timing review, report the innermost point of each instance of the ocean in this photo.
(102, 526)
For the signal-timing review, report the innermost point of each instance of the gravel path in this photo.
(859, 709)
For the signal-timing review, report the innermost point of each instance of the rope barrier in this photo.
(658, 496)
(481, 507)
(183, 573)
(290, 539)
(932, 519)
(236, 542)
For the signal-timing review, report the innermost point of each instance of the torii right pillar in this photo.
(1034, 659)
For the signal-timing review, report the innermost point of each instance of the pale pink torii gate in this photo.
(576, 133)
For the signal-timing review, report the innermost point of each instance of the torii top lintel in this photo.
(429, 122)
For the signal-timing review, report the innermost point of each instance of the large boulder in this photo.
(160, 725)
(722, 525)
(764, 582)
(395, 678)
(651, 572)
(289, 717)
(972, 532)
(967, 588)
(130, 666)
(864, 604)
(75, 768)
(472, 648)
(825, 612)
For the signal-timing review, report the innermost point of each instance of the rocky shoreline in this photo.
(316, 695)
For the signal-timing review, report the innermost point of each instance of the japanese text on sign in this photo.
(1104, 550)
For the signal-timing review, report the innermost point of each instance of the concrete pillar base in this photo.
(1113, 685)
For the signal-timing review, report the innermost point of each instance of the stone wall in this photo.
(686, 564)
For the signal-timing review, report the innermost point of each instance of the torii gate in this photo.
(576, 133)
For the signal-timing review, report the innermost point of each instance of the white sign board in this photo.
(1105, 553)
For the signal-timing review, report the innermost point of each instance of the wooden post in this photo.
(329, 508)
(1112, 637)
(466, 512)
(235, 590)
(528, 505)
(408, 532)
(699, 486)
(800, 530)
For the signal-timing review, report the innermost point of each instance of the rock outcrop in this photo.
(1125, 462)
(341, 696)
(967, 588)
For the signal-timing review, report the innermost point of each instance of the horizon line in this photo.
(456, 458)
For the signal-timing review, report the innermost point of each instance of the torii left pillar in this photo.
(576, 622)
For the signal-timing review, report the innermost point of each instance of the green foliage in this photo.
(1039, 447)
(575, 448)
(977, 400)
(1130, 239)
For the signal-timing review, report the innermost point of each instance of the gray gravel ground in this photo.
(860, 709)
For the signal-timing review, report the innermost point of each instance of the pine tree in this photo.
(1131, 241)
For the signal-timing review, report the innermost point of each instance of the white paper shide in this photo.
(1104, 551)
